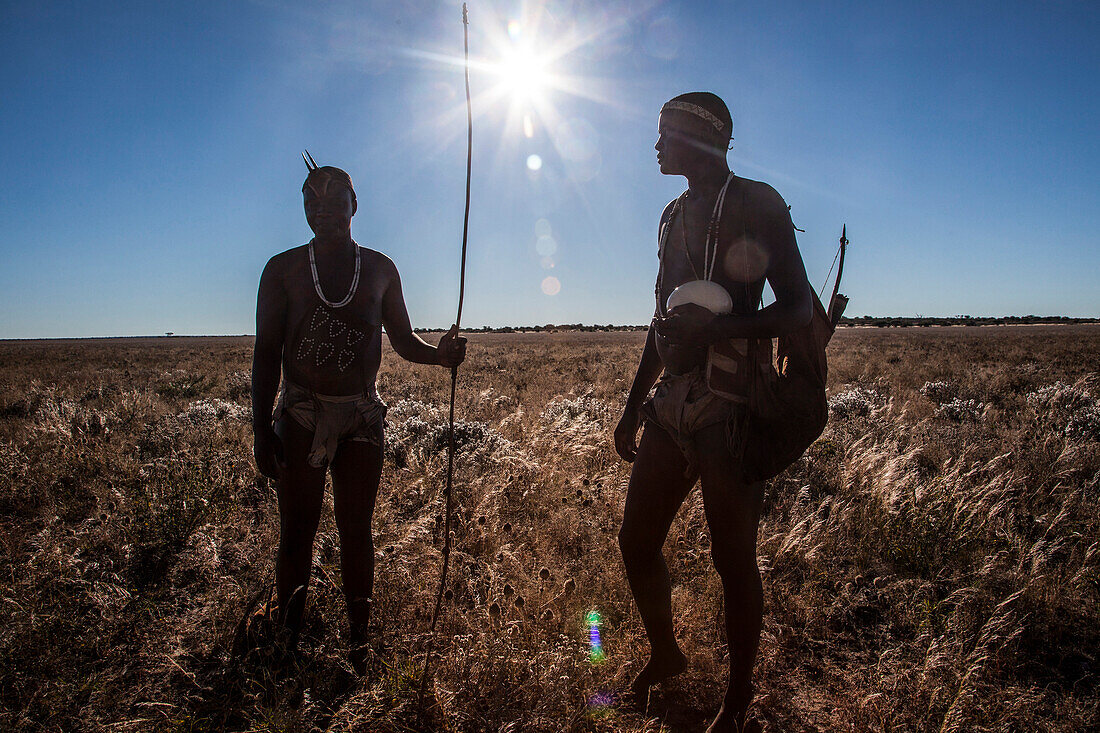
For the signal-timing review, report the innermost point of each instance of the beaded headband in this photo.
(694, 109)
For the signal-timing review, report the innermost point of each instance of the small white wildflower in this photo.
(939, 392)
(574, 410)
(855, 402)
(1060, 396)
(212, 411)
(1084, 424)
(239, 384)
(960, 410)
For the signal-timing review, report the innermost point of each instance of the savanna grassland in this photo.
(932, 564)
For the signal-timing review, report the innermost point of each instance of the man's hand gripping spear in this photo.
(454, 369)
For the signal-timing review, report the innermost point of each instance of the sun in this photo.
(524, 74)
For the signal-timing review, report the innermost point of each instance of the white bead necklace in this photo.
(317, 282)
(710, 251)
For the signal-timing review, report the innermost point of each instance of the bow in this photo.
(838, 301)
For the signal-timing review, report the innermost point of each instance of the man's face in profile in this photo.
(683, 141)
(329, 207)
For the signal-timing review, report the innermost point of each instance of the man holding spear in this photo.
(320, 312)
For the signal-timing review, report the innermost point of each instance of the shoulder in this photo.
(669, 207)
(766, 213)
(666, 214)
(378, 263)
(375, 259)
(281, 264)
(761, 197)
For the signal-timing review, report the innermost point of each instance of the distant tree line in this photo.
(906, 321)
(549, 327)
(876, 321)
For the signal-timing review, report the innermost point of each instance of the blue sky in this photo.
(153, 151)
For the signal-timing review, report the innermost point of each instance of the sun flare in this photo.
(523, 73)
(528, 73)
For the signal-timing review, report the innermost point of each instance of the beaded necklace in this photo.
(710, 250)
(317, 281)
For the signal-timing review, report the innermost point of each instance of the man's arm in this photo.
(649, 368)
(793, 306)
(266, 365)
(395, 317)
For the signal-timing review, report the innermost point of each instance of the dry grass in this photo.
(932, 565)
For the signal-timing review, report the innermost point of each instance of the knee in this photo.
(354, 530)
(296, 535)
(636, 547)
(736, 565)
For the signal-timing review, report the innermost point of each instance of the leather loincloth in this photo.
(682, 405)
(332, 419)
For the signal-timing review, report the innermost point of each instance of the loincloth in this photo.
(682, 405)
(332, 419)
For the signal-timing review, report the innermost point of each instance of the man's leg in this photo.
(356, 472)
(301, 490)
(656, 491)
(733, 515)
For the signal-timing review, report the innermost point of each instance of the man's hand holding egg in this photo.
(691, 309)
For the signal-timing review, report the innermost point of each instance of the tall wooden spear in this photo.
(454, 370)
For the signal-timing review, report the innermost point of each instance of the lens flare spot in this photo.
(514, 29)
(528, 127)
(547, 263)
(579, 146)
(601, 700)
(601, 705)
(552, 286)
(746, 260)
(542, 228)
(595, 643)
(663, 39)
(546, 246)
(534, 162)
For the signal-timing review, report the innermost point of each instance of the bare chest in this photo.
(364, 306)
(330, 343)
(730, 259)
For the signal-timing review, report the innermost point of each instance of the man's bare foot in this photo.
(727, 722)
(659, 668)
(360, 653)
(732, 716)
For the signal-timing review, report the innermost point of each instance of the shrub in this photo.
(960, 410)
(180, 383)
(856, 402)
(939, 392)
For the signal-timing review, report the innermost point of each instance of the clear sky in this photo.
(153, 151)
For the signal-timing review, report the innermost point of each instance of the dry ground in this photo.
(933, 564)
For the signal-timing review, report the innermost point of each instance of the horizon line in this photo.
(845, 321)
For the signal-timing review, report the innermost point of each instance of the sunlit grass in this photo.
(938, 542)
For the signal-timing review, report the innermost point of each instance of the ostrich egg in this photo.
(709, 295)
